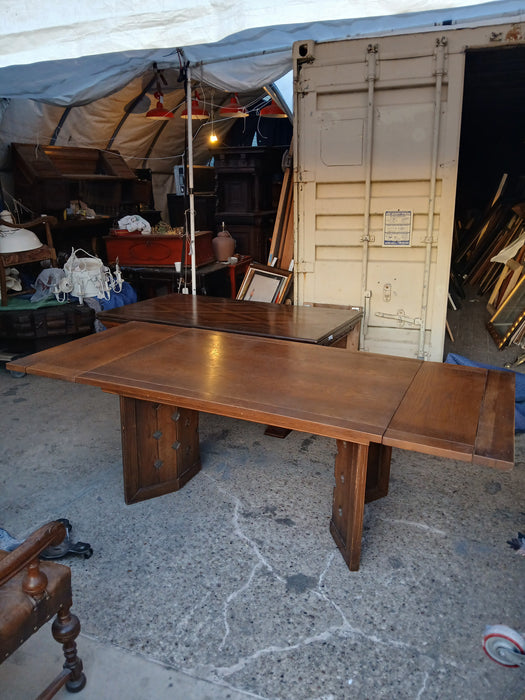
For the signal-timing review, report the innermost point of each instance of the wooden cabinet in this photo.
(247, 188)
(252, 232)
(48, 178)
(178, 206)
(140, 250)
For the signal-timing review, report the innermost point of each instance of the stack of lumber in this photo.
(490, 255)
(497, 228)
(507, 277)
(281, 253)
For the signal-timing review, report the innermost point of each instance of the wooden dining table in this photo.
(320, 325)
(368, 403)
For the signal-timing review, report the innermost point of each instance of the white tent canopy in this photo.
(70, 53)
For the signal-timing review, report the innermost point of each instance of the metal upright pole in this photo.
(190, 183)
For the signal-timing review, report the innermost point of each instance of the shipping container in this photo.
(390, 133)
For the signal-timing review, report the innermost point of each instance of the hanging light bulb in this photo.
(213, 138)
(234, 108)
(159, 112)
(197, 112)
(273, 111)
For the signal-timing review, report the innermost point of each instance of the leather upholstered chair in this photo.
(31, 593)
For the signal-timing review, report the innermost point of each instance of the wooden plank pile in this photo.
(507, 278)
(491, 257)
(282, 244)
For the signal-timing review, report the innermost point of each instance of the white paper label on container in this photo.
(397, 229)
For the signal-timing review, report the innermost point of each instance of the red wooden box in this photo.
(147, 250)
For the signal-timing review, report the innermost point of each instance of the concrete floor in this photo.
(470, 337)
(233, 587)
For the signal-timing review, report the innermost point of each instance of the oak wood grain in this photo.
(69, 360)
(347, 395)
(495, 437)
(360, 397)
(160, 448)
(440, 411)
(346, 524)
(301, 323)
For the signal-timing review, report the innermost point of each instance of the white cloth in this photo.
(135, 223)
(510, 251)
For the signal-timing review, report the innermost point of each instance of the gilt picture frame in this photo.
(508, 316)
(265, 283)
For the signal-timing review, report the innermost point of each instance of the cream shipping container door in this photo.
(376, 144)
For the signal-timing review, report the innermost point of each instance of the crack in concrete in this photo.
(262, 562)
(345, 629)
(423, 686)
(231, 597)
(412, 523)
(187, 617)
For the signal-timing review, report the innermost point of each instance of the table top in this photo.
(308, 324)
(461, 412)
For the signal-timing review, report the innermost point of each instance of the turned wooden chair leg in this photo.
(65, 629)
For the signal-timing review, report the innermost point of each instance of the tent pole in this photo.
(190, 182)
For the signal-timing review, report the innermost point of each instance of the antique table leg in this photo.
(361, 475)
(160, 448)
(378, 471)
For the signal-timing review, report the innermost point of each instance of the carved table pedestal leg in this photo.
(160, 448)
(361, 475)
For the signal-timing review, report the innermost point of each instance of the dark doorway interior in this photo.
(492, 152)
(493, 125)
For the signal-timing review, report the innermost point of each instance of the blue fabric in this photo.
(519, 407)
(127, 296)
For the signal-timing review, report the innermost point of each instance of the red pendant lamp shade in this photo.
(197, 112)
(233, 109)
(273, 111)
(159, 112)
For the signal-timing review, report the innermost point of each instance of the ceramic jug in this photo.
(223, 245)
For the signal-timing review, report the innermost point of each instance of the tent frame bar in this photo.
(249, 54)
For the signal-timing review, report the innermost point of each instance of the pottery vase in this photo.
(223, 245)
